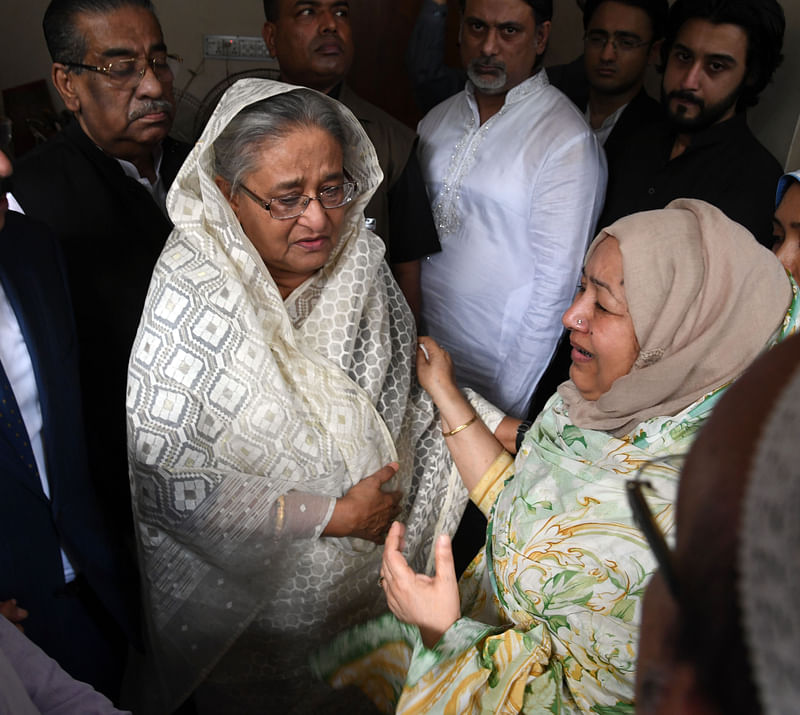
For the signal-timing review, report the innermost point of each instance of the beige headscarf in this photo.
(704, 297)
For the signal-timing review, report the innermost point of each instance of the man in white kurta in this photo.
(516, 180)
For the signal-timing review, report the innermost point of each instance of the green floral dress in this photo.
(551, 605)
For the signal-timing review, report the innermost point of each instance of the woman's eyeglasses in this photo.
(294, 205)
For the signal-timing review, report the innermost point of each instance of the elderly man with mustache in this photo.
(101, 185)
(516, 180)
(718, 56)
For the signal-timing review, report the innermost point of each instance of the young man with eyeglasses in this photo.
(717, 58)
(622, 38)
(100, 185)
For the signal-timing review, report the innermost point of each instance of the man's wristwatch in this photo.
(522, 430)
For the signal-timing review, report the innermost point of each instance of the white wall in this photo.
(776, 116)
(793, 163)
(23, 55)
(184, 25)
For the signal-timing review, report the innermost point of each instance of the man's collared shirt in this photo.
(608, 124)
(157, 190)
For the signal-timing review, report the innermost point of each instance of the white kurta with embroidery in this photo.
(515, 202)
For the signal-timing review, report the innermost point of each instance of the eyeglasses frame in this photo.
(615, 41)
(264, 204)
(149, 62)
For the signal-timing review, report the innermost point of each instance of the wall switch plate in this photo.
(234, 47)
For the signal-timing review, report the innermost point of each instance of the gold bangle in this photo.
(460, 427)
(281, 504)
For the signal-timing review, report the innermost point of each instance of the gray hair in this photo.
(238, 150)
(64, 42)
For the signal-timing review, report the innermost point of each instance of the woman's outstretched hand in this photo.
(366, 511)
(435, 370)
(431, 603)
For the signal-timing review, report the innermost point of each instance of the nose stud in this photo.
(579, 321)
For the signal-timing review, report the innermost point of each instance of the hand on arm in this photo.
(430, 603)
(10, 610)
(474, 448)
(366, 511)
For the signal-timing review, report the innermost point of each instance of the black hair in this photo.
(270, 10)
(64, 42)
(657, 11)
(542, 9)
(762, 20)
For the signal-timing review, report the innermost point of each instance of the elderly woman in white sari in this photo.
(275, 424)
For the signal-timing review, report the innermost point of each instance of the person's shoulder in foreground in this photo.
(31, 683)
(724, 638)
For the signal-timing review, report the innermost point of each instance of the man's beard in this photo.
(707, 116)
(487, 84)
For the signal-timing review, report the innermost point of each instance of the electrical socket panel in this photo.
(234, 47)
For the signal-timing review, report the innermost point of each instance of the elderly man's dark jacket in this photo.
(111, 232)
(33, 528)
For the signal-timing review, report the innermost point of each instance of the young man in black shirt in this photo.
(718, 56)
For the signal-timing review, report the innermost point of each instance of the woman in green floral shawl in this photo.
(673, 306)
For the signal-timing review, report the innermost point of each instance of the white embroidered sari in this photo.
(247, 417)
